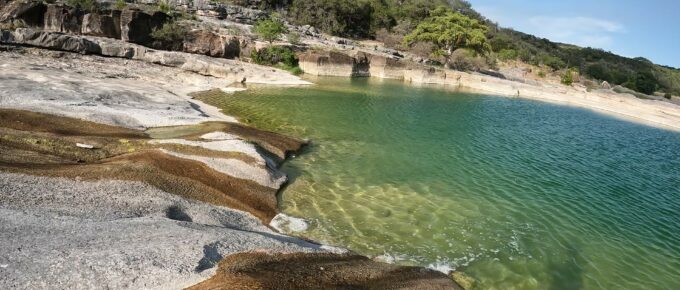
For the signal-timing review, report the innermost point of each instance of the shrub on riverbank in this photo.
(170, 36)
(278, 56)
(270, 29)
(567, 78)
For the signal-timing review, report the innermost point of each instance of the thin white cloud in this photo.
(583, 31)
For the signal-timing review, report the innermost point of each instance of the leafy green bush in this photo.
(85, 5)
(526, 55)
(274, 55)
(270, 29)
(502, 42)
(667, 96)
(643, 82)
(507, 54)
(552, 62)
(336, 17)
(170, 36)
(567, 78)
(278, 56)
(598, 71)
(541, 74)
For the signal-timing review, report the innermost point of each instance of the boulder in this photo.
(136, 26)
(105, 25)
(386, 67)
(605, 85)
(31, 12)
(59, 18)
(246, 47)
(56, 41)
(212, 44)
(327, 64)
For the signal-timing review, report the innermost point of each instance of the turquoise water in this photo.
(515, 194)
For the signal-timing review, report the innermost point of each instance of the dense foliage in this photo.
(392, 20)
(449, 31)
(362, 18)
(170, 36)
(636, 73)
(279, 56)
(270, 29)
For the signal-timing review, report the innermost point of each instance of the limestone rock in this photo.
(211, 44)
(240, 14)
(97, 24)
(57, 41)
(59, 18)
(30, 12)
(136, 25)
(359, 64)
(246, 47)
(327, 64)
(605, 85)
(229, 70)
(386, 67)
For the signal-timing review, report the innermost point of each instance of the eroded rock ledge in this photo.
(226, 69)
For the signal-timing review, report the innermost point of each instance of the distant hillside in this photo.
(390, 20)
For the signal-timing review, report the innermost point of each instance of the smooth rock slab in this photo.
(68, 234)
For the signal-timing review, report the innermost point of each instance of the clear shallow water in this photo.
(514, 193)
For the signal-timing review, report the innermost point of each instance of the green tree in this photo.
(644, 82)
(552, 62)
(449, 31)
(598, 71)
(270, 29)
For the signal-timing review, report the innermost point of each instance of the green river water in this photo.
(515, 194)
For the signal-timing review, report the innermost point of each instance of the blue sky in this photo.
(632, 28)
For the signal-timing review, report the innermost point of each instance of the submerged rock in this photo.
(320, 271)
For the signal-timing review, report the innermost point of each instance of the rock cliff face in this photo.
(229, 70)
(240, 14)
(361, 64)
(29, 12)
(131, 25)
(105, 25)
(136, 26)
(386, 68)
(211, 44)
(59, 18)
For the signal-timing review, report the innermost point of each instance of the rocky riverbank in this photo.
(111, 176)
